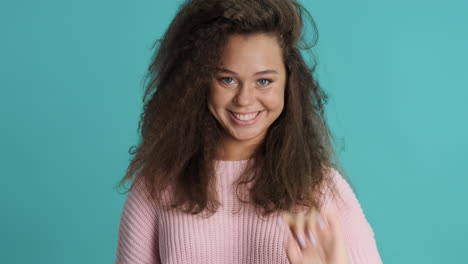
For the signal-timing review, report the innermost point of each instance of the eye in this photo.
(223, 79)
(268, 81)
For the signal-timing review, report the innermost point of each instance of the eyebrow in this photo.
(257, 73)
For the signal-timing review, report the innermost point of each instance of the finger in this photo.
(297, 255)
(293, 250)
(312, 230)
(296, 224)
(298, 229)
(321, 225)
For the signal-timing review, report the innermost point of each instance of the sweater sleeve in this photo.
(358, 233)
(137, 236)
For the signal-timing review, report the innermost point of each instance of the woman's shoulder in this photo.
(345, 203)
(358, 232)
(339, 193)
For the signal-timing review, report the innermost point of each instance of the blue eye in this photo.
(224, 78)
(268, 80)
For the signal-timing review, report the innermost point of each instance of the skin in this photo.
(326, 244)
(241, 89)
(242, 86)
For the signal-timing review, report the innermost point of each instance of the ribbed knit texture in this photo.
(150, 234)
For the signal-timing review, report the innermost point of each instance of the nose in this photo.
(245, 95)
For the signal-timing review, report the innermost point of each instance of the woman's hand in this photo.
(325, 243)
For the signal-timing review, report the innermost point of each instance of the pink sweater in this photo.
(149, 234)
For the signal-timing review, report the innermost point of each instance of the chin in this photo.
(247, 136)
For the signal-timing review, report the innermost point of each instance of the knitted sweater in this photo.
(151, 234)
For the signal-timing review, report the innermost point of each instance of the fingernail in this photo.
(312, 238)
(301, 240)
(320, 222)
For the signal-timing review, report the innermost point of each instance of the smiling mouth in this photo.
(245, 117)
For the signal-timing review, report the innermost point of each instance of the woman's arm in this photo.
(138, 236)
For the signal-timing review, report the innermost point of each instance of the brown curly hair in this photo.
(179, 135)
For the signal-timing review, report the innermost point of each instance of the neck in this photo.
(236, 150)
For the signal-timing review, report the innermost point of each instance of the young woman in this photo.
(235, 162)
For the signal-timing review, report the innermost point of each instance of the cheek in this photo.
(275, 101)
(219, 98)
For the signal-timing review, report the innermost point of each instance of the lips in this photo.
(244, 113)
(245, 122)
(247, 117)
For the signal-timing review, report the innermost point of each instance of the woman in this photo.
(233, 125)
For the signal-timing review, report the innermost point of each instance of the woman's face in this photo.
(247, 93)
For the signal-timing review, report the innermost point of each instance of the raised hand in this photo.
(314, 238)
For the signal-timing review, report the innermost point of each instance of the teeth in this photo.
(246, 117)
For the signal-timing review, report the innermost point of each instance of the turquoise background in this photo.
(71, 78)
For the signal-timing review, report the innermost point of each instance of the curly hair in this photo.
(179, 135)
